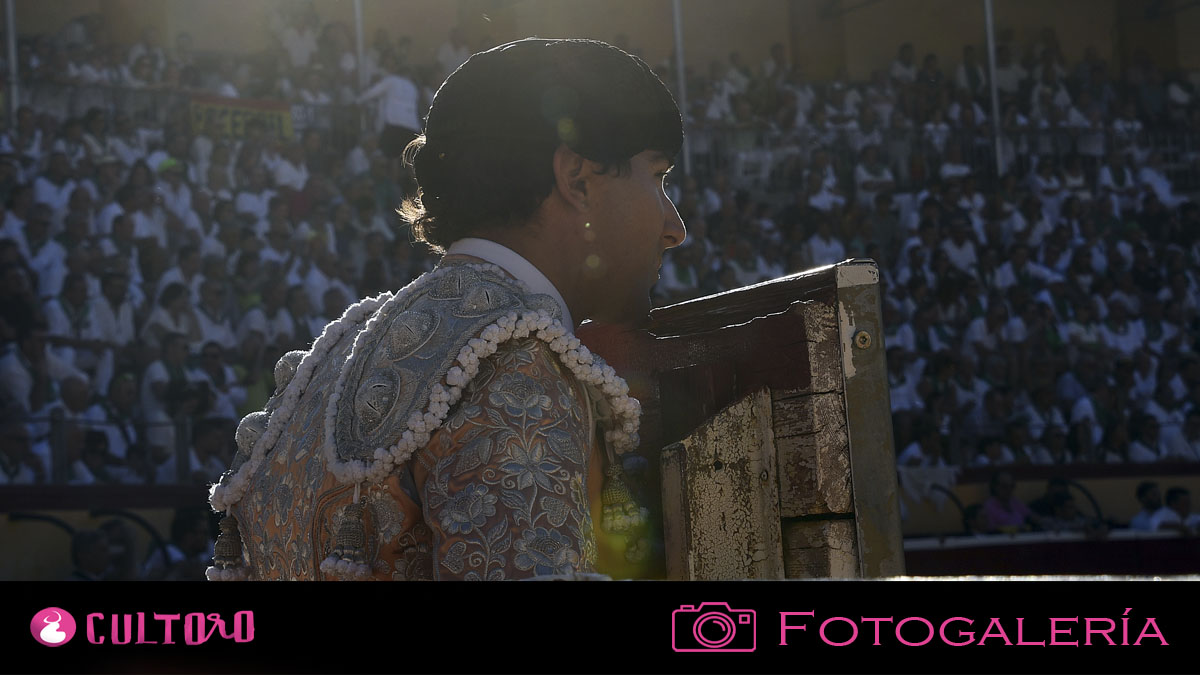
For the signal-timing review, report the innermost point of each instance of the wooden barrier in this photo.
(767, 415)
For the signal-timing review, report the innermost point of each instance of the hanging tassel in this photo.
(228, 564)
(620, 511)
(349, 557)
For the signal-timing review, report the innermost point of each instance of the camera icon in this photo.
(713, 627)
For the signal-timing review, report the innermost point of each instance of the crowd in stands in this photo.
(1041, 304)
(155, 269)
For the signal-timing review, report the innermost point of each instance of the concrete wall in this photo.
(1187, 31)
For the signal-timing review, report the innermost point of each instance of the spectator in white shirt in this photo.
(1021, 270)
(298, 37)
(1116, 183)
(315, 90)
(206, 457)
(823, 247)
(1120, 335)
(291, 171)
(954, 166)
(1009, 74)
(173, 314)
(186, 271)
(255, 199)
(215, 324)
(1176, 514)
(452, 53)
(871, 177)
(970, 76)
(1185, 446)
(228, 393)
(398, 121)
(30, 374)
(1147, 446)
(269, 319)
(960, 250)
(904, 68)
(1149, 496)
(47, 258)
(820, 196)
(54, 187)
(70, 324)
(19, 465)
(1152, 177)
(176, 195)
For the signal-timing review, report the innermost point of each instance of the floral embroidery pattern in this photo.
(504, 479)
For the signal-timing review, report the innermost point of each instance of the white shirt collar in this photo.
(516, 265)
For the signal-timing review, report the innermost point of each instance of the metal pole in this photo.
(677, 15)
(362, 49)
(10, 34)
(991, 46)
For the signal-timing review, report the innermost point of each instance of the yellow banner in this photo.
(228, 116)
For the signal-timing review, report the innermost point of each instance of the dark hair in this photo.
(171, 293)
(1175, 494)
(486, 157)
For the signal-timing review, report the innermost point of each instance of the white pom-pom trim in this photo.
(228, 574)
(344, 569)
(590, 369)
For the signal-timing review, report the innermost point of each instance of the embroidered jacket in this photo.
(402, 446)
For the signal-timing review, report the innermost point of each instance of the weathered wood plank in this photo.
(812, 448)
(820, 549)
(743, 304)
(868, 420)
(720, 496)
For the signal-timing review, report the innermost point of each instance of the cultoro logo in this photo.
(53, 627)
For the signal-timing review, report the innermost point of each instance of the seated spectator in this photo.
(1004, 512)
(1019, 441)
(976, 522)
(90, 556)
(1054, 442)
(30, 374)
(18, 463)
(214, 322)
(823, 247)
(993, 452)
(207, 458)
(174, 314)
(1176, 514)
(1117, 185)
(871, 177)
(191, 540)
(170, 369)
(228, 394)
(1067, 518)
(1150, 498)
(1185, 445)
(1147, 446)
(1020, 270)
(1044, 506)
(114, 416)
(926, 450)
(122, 565)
